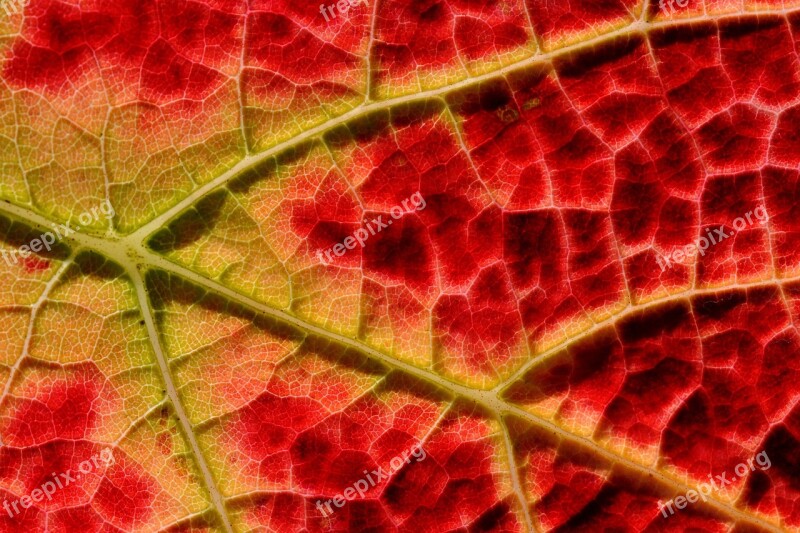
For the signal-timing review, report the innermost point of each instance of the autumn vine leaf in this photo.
(394, 265)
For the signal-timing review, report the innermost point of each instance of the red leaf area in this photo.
(569, 187)
(562, 203)
(47, 436)
(190, 58)
(132, 42)
(550, 193)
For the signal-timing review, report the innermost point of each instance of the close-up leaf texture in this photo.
(399, 266)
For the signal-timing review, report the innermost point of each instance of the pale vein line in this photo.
(678, 486)
(370, 44)
(515, 482)
(633, 310)
(186, 520)
(216, 497)
(35, 308)
(239, 77)
(140, 420)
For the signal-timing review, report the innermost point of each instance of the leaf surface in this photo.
(518, 326)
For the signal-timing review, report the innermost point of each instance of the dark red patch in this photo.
(745, 386)
(35, 264)
(759, 56)
(61, 43)
(330, 456)
(126, 494)
(650, 210)
(66, 410)
(782, 203)
(83, 519)
(595, 272)
(503, 146)
(660, 375)
(784, 146)
(414, 36)
(615, 90)
(30, 519)
(533, 249)
(270, 426)
(777, 488)
(36, 466)
(431, 34)
(737, 139)
(586, 375)
(744, 252)
(449, 219)
(554, 20)
(279, 45)
(165, 73)
(400, 253)
(476, 38)
(483, 327)
(56, 47)
(690, 69)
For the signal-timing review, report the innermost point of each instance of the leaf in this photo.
(484, 266)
